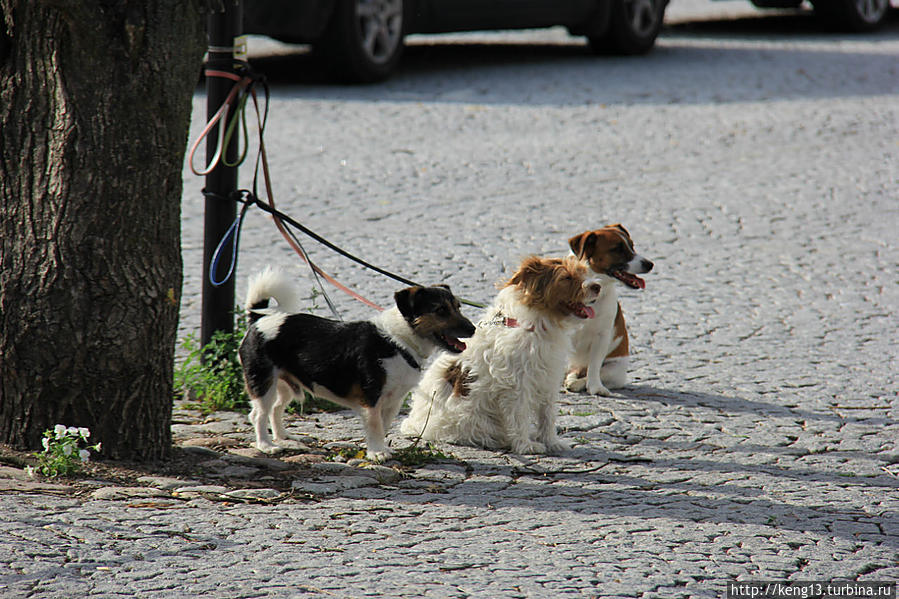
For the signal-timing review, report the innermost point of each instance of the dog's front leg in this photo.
(517, 424)
(546, 426)
(598, 351)
(375, 441)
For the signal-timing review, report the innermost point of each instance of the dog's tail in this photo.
(271, 284)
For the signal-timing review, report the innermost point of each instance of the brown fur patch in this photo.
(550, 284)
(292, 381)
(604, 249)
(579, 372)
(460, 378)
(432, 322)
(357, 395)
(620, 332)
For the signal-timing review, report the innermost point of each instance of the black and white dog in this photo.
(367, 366)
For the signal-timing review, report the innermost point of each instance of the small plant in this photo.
(63, 454)
(212, 374)
(411, 456)
(415, 455)
(348, 453)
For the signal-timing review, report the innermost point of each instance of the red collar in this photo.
(513, 323)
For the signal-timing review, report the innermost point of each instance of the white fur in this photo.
(270, 324)
(394, 325)
(595, 339)
(517, 371)
(273, 283)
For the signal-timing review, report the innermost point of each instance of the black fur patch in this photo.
(336, 355)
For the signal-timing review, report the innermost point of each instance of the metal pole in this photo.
(218, 302)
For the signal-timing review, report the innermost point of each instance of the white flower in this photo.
(72, 431)
(30, 471)
(60, 430)
(67, 449)
(85, 455)
(46, 443)
(84, 432)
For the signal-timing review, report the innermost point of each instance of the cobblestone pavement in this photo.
(756, 168)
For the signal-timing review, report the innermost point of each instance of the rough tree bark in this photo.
(95, 99)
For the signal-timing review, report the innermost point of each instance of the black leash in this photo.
(248, 198)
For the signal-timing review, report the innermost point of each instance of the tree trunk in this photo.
(95, 100)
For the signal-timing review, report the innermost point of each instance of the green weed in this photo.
(417, 455)
(212, 375)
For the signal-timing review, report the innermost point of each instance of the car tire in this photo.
(633, 27)
(364, 40)
(853, 15)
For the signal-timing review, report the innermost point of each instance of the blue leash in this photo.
(233, 234)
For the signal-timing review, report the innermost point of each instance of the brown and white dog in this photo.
(502, 390)
(601, 354)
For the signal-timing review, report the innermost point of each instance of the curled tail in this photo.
(271, 284)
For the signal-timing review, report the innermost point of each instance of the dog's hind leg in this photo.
(576, 379)
(276, 417)
(261, 415)
(614, 372)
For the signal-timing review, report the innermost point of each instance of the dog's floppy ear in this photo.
(530, 274)
(405, 301)
(621, 228)
(582, 245)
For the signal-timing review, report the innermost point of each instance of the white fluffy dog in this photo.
(501, 391)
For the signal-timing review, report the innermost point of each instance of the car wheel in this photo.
(364, 40)
(633, 27)
(853, 15)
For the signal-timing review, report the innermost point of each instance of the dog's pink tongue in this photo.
(630, 280)
(581, 311)
(460, 345)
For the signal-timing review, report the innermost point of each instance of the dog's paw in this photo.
(575, 384)
(528, 447)
(557, 445)
(378, 455)
(269, 448)
(291, 442)
(598, 389)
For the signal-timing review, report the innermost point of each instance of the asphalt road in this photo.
(753, 159)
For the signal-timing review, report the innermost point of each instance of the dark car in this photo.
(857, 16)
(364, 38)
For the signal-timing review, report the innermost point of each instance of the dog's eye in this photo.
(442, 311)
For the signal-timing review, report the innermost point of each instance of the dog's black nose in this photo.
(647, 265)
